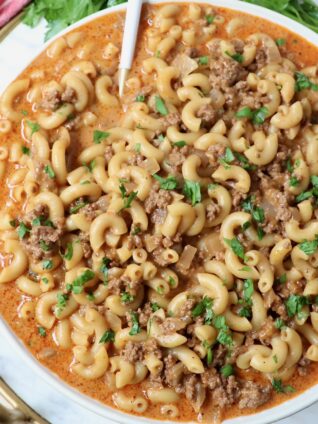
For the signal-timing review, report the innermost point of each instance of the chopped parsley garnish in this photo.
(62, 298)
(224, 338)
(126, 297)
(42, 331)
(172, 281)
(154, 307)
(47, 264)
(294, 305)
(235, 56)
(209, 352)
(161, 106)
(227, 370)
(227, 158)
(260, 115)
(293, 181)
(44, 246)
(279, 323)
(34, 127)
(14, 223)
(104, 268)
(192, 191)
(136, 230)
(309, 247)
(100, 136)
(68, 252)
(41, 220)
(78, 283)
(140, 98)
(89, 166)
(77, 207)
(281, 280)
(45, 280)
(137, 147)
(209, 19)
(108, 336)
(23, 230)
(257, 116)
(313, 192)
(248, 289)
(90, 297)
(135, 329)
(127, 198)
(169, 183)
(280, 388)
(49, 171)
(236, 247)
(25, 150)
(256, 212)
(24, 112)
(280, 42)
(204, 307)
(203, 60)
(303, 82)
(180, 143)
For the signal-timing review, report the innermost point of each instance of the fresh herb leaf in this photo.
(279, 323)
(90, 297)
(227, 370)
(140, 98)
(34, 127)
(47, 264)
(161, 106)
(209, 19)
(280, 42)
(89, 166)
(77, 207)
(62, 298)
(45, 280)
(304, 196)
(137, 147)
(235, 56)
(78, 283)
(204, 308)
(154, 307)
(126, 297)
(248, 289)
(25, 150)
(44, 246)
(293, 181)
(135, 329)
(169, 183)
(172, 281)
(49, 171)
(108, 336)
(294, 304)
(104, 268)
(309, 247)
(260, 115)
(225, 338)
(100, 136)
(192, 190)
(303, 82)
(23, 230)
(136, 230)
(203, 60)
(180, 143)
(68, 252)
(42, 331)
(236, 247)
(245, 112)
(280, 388)
(24, 112)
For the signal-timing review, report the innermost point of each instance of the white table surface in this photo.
(15, 53)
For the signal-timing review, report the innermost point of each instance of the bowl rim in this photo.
(267, 416)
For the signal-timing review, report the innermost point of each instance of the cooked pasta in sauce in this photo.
(159, 252)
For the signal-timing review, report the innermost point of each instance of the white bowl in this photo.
(271, 415)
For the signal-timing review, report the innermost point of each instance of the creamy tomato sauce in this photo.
(96, 34)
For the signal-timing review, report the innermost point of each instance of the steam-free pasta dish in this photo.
(160, 251)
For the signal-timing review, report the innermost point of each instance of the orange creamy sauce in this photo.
(98, 33)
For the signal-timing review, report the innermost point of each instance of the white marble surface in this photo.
(15, 53)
